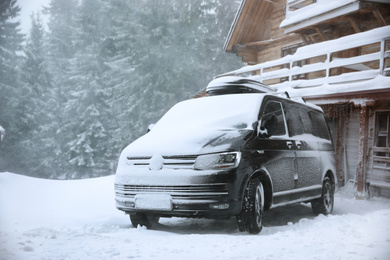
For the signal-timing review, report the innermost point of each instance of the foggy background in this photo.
(89, 76)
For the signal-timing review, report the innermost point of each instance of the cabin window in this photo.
(382, 140)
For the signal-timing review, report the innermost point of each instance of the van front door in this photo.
(275, 150)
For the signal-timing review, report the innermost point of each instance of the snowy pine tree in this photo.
(101, 74)
(60, 55)
(41, 143)
(91, 148)
(13, 97)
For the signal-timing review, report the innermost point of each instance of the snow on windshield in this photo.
(214, 113)
(190, 125)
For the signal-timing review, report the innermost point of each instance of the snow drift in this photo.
(46, 219)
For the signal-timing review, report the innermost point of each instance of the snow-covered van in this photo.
(230, 155)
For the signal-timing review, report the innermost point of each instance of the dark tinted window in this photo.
(302, 120)
(319, 125)
(295, 122)
(273, 118)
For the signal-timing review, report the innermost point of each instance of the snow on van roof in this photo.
(233, 85)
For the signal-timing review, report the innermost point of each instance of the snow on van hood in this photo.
(198, 126)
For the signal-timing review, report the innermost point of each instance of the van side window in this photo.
(301, 120)
(273, 118)
(298, 120)
(319, 125)
(294, 122)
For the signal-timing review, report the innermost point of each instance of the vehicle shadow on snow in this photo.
(276, 217)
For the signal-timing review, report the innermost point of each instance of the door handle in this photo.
(289, 144)
(298, 144)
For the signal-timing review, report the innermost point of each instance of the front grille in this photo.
(182, 192)
(138, 161)
(169, 162)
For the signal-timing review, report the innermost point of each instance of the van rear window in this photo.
(320, 128)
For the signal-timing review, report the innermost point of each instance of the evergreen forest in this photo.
(75, 91)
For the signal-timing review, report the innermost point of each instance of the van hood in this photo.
(201, 126)
(179, 143)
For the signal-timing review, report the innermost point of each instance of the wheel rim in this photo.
(328, 197)
(259, 204)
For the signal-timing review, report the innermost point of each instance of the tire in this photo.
(324, 205)
(143, 220)
(240, 223)
(252, 213)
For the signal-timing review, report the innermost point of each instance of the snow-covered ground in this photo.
(46, 219)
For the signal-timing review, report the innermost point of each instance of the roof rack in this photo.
(236, 85)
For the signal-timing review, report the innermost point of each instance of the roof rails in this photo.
(238, 85)
(286, 95)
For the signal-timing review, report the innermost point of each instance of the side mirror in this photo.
(261, 130)
(267, 127)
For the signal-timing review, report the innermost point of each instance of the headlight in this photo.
(217, 161)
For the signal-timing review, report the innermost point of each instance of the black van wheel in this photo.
(324, 205)
(143, 220)
(251, 216)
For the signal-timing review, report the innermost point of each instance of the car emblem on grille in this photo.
(156, 162)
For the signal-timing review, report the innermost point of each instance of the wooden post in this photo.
(340, 147)
(362, 157)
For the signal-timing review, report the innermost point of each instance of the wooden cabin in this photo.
(335, 54)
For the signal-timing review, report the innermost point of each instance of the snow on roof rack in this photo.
(236, 85)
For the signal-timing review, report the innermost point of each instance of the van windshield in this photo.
(225, 112)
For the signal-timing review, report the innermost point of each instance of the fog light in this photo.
(219, 206)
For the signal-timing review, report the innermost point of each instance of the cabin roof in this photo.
(252, 22)
(246, 25)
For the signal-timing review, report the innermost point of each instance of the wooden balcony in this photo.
(305, 13)
(351, 59)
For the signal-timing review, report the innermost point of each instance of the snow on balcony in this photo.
(302, 13)
(327, 69)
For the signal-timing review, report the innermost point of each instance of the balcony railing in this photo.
(301, 10)
(352, 58)
(293, 5)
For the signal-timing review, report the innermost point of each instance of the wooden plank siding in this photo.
(254, 13)
(378, 178)
(325, 61)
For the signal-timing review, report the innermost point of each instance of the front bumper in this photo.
(185, 193)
